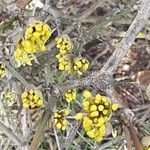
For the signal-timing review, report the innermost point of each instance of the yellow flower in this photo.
(67, 62)
(61, 67)
(87, 94)
(60, 121)
(58, 56)
(64, 44)
(25, 59)
(98, 98)
(34, 41)
(32, 98)
(29, 30)
(36, 35)
(25, 45)
(46, 27)
(64, 124)
(93, 108)
(87, 123)
(80, 65)
(94, 114)
(2, 69)
(79, 116)
(114, 106)
(101, 121)
(58, 40)
(70, 95)
(105, 111)
(40, 31)
(26, 105)
(21, 54)
(58, 125)
(18, 53)
(38, 27)
(86, 105)
(42, 48)
(100, 133)
(91, 133)
(98, 111)
(100, 107)
(64, 63)
(65, 112)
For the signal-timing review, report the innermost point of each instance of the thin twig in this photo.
(16, 74)
(57, 140)
(50, 8)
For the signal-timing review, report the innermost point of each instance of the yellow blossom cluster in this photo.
(34, 41)
(98, 110)
(70, 95)
(32, 98)
(80, 65)
(64, 44)
(66, 62)
(2, 69)
(60, 121)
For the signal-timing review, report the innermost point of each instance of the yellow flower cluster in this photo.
(34, 41)
(59, 119)
(81, 65)
(64, 63)
(32, 99)
(70, 95)
(98, 111)
(64, 44)
(2, 69)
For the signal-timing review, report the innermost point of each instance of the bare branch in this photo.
(136, 26)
